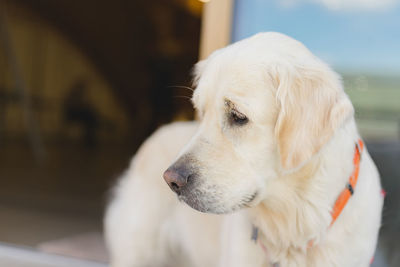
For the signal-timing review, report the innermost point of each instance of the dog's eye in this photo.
(238, 118)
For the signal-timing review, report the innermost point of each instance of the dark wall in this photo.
(143, 48)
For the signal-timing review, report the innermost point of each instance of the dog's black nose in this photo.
(175, 179)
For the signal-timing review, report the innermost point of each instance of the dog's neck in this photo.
(298, 207)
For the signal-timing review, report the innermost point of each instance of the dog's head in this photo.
(266, 106)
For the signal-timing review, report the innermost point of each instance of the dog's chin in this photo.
(206, 206)
(210, 205)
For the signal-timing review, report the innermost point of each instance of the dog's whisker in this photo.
(183, 96)
(181, 86)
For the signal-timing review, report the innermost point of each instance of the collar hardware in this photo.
(350, 188)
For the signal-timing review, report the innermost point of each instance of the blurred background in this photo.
(83, 83)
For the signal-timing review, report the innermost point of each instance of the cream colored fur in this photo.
(281, 171)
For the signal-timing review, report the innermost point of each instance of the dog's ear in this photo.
(312, 106)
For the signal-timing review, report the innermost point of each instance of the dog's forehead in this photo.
(229, 79)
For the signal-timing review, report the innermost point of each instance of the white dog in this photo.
(276, 150)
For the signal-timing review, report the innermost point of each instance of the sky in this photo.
(351, 35)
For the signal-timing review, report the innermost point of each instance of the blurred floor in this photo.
(11, 256)
(31, 227)
(63, 196)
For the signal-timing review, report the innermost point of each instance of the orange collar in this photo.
(348, 191)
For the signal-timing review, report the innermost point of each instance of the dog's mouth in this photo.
(247, 201)
(210, 204)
